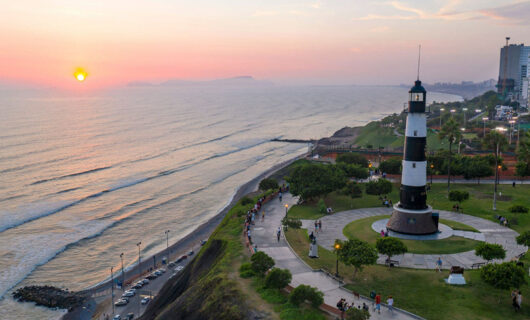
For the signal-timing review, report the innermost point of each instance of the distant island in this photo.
(239, 81)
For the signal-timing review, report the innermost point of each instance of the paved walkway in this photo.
(264, 235)
(491, 232)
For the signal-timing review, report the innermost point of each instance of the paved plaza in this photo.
(264, 236)
(491, 232)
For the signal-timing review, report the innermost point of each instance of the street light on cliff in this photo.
(122, 273)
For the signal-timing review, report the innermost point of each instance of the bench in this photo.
(478, 265)
(391, 263)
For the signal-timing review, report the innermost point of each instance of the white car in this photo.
(145, 300)
(128, 294)
(117, 317)
(179, 268)
(145, 281)
(162, 270)
(131, 290)
(120, 302)
(158, 273)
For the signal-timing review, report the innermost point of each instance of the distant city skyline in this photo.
(295, 42)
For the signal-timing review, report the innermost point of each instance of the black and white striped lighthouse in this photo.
(412, 215)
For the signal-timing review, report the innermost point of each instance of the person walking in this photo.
(439, 265)
(378, 303)
(249, 238)
(390, 303)
(262, 215)
(278, 233)
(519, 300)
(316, 226)
(320, 225)
(280, 196)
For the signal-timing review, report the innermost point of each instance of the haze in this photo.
(305, 42)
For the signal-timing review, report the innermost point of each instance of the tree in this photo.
(357, 253)
(390, 246)
(477, 167)
(353, 170)
(490, 251)
(523, 155)
(352, 189)
(314, 180)
(379, 187)
(450, 131)
(524, 239)
(278, 278)
(458, 196)
(503, 275)
(495, 141)
(261, 262)
(304, 292)
(352, 158)
(357, 314)
(268, 184)
(391, 166)
(522, 169)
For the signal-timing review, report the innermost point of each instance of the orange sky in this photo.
(325, 42)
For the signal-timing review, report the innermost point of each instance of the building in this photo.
(411, 214)
(525, 94)
(503, 113)
(513, 68)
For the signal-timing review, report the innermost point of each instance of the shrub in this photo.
(322, 206)
(292, 223)
(278, 278)
(524, 239)
(268, 184)
(379, 187)
(391, 166)
(504, 275)
(352, 189)
(245, 271)
(357, 253)
(352, 158)
(458, 196)
(261, 262)
(490, 251)
(518, 209)
(357, 314)
(303, 293)
(390, 246)
(246, 201)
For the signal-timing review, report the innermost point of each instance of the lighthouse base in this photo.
(413, 221)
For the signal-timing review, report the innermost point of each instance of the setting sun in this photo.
(80, 77)
(80, 74)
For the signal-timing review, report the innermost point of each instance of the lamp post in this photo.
(460, 142)
(122, 273)
(139, 244)
(497, 167)
(167, 244)
(112, 288)
(464, 109)
(432, 168)
(484, 119)
(286, 208)
(511, 130)
(441, 110)
(337, 248)
(452, 111)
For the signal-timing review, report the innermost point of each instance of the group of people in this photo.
(318, 226)
(384, 233)
(503, 221)
(377, 302)
(517, 299)
(250, 220)
(457, 208)
(386, 202)
(344, 306)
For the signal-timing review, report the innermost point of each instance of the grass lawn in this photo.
(458, 225)
(362, 229)
(422, 292)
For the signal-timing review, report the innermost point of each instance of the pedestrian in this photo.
(320, 225)
(513, 184)
(439, 265)
(519, 300)
(249, 238)
(390, 303)
(262, 215)
(382, 233)
(340, 306)
(255, 248)
(280, 196)
(365, 306)
(278, 233)
(378, 303)
(316, 226)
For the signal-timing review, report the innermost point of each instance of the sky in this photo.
(296, 41)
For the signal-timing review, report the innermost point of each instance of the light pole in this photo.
(286, 208)
(112, 288)
(122, 273)
(464, 109)
(167, 244)
(460, 142)
(432, 168)
(139, 271)
(511, 130)
(337, 248)
(484, 119)
(497, 166)
(441, 110)
(452, 111)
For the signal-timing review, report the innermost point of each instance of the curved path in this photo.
(264, 236)
(491, 232)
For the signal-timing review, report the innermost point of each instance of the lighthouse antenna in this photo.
(419, 57)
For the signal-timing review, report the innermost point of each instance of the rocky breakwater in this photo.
(50, 297)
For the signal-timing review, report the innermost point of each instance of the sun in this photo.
(80, 74)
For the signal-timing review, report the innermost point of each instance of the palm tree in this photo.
(495, 141)
(451, 132)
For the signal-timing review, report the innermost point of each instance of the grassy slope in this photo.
(423, 292)
(361, 229)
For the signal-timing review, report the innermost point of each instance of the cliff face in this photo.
(200, 291)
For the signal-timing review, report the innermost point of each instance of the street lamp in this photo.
(112, 288)
(432, 168)
(167, 244)
(511, 130)
(497, 167)
(484, 119)
(122, 273)
(286, 208)
(465, 109)
(452, 111)
(139, 270)
(337, 248)
(441, 110)
(460, 142)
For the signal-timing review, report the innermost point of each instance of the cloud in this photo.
(518, 13)
(316, 5)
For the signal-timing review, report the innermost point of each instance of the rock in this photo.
(49, 296)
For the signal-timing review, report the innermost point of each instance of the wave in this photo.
(20, 155)
(67, 190)
(29, 165)
(71, 175)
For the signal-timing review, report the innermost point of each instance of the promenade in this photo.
(264, 236)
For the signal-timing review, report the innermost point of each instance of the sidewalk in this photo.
(264, 236)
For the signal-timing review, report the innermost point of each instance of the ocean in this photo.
(83, 178)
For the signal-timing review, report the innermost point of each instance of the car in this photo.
(124, 299)
(137, 286)
(158, 273)
(128, 294)
(182, 258)
(130, 316)
(151, 276)
(116, 317)
(120, 302)
(191, 253)
(145, 300)
(131, 290)
(145, 281)
(162, 270)
(203, 242)
(179, 268)
(171, 264)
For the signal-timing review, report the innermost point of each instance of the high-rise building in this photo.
(513, 68)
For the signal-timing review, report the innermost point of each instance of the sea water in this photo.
(84, 177)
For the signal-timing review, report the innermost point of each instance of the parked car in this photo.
(131, 290)
(158, 273)
(162, 270)
(145, 300)
(182, 258)
(120, 302)
(116, 317)
(151, 276)
(137, 286)
(191, 253)
(203, 242)
(145, 281)
(130, 316)
(128, 294)
(171, 264)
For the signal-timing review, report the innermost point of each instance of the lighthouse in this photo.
(411, 214)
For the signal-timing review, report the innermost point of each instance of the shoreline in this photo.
(203, 231)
